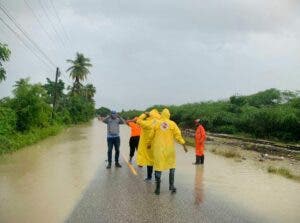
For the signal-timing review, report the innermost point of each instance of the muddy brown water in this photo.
(43, 182)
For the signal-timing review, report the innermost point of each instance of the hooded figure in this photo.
(145, 155)
(163, 146)
(200, 137)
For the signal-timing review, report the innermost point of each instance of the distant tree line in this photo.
(269, 114)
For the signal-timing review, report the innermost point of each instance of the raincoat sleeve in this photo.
(105, 120)
(152, 134)
(142, 116)
(177, 134)
(145, 124)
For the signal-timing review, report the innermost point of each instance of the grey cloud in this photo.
(169, 52)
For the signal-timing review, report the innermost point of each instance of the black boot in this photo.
(157, 181)
(171, 181)
(198, 160)
(118, 165)
(108, 166)
(202, 159)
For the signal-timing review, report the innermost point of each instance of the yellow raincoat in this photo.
(163, 145)
(144, 154)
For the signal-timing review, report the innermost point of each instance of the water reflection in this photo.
(199, 191)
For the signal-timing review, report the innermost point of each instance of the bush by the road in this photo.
(270, 114)
(12, 142)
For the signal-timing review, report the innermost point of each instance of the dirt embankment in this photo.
(261, 146)
(274, 157)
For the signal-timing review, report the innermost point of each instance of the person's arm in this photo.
(178, 137)
(105, 120)
(145, 124)
(151, 137)
(129, 121)
(143, 116)
(201, 135)
(121, 120)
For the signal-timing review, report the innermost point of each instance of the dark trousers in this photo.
(133, 144)
(113, 142)
(158, 174)
(149, 172)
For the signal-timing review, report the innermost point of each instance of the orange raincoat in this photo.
(200, 137)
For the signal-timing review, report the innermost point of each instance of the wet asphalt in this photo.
(117, 195)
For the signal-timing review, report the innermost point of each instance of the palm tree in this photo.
(89, 91)
(4, 56)
(79, 70)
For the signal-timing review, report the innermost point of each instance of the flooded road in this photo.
(63, 178)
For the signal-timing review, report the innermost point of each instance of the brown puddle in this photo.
(44, 181)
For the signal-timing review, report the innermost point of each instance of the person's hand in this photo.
(184, 148)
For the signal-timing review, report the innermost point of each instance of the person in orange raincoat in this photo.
(200, 137)
(134, 137)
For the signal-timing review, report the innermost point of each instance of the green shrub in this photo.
(7, 121)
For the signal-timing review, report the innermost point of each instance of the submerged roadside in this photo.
(275, 160)
(18, 140)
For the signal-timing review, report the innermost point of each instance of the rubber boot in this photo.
(149, 173)
(118, 165)
(157, 181)
(202, 159)
(171, 181)
(198, 160)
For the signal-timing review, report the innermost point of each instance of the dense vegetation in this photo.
(4, 56)
(270, 114)
(32, 113)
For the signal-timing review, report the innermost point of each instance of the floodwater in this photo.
(46, 181)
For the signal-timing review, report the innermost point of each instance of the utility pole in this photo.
(57, 74)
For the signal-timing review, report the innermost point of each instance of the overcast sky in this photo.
(160, 51)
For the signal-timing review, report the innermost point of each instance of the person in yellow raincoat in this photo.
(163, 146)
(145, 155)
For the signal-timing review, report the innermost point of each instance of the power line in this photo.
(26, 35)
(39, 22)
(2, 31)
(53, 26)
(59, 20)
(25, 44)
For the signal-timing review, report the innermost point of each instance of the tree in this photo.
(4, 56)
(50, 88)
(102, 111)
(30, 105)
(79, 70)
(89, 92)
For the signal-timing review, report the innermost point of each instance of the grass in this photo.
(297, 156)
(283, 172)
(226, 153)
(189, 141)
(13, 142)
